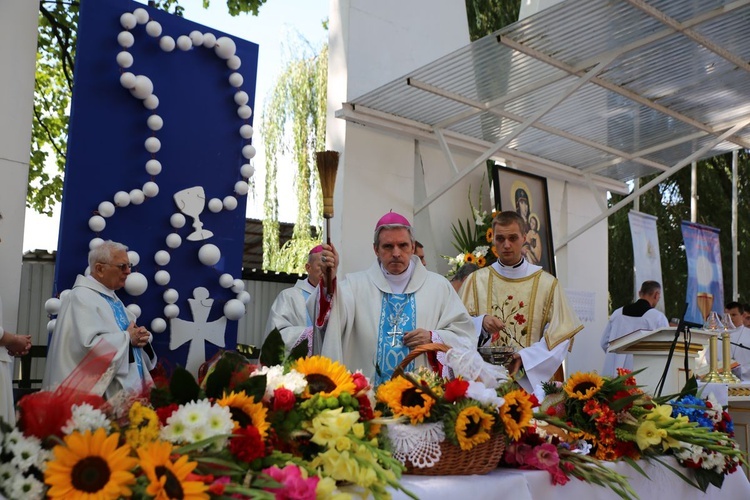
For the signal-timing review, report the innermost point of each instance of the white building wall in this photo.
(18, 30)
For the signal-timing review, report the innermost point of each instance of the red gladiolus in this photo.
(165, 412)
(455, 390)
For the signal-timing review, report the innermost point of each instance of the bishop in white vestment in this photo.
(289, 312)
(91, 313)
(519, 304)
(377, 316)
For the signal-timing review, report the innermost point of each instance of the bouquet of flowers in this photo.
(296, 429)
(475, 411)
(616, 420)
(473, 239)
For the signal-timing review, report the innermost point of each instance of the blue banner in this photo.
(705, 287)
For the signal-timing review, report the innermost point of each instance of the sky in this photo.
(278, 26)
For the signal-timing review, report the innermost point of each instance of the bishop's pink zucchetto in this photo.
(316, 249)
(392, 218)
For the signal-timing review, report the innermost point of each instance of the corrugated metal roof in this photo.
(652, 83)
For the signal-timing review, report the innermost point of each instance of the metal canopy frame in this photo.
(598, 93)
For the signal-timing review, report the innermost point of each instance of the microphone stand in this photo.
(684, 328)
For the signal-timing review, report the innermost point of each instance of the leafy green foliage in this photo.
(487, 16)
(183, 386)
(272, 352)
(220, 378)
(294, 122)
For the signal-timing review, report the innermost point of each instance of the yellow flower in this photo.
(331, 426)
(90, 466)
(324, 376)
(167, 479)
(245, 411)
(144, 425)
(473, 427)
(488, 235)
(469, 258)
(405, 400)
(648, 434)
(660, 413)
(481, 261)
(516, 413)
(583, 386)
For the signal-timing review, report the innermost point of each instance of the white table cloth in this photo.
(662, 484)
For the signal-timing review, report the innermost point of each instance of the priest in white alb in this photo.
(640, 315)
(517, 303)
(377, 316)
(289, 312)
(93, 319)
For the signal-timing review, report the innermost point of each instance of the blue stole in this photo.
(306, 295)
(123, 322)
(398, 314)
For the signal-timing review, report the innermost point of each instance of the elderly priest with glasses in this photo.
(94, 325)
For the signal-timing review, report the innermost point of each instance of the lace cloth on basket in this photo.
(419, 444)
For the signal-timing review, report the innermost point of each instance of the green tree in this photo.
(58, 27)
(670, 203)
(294, 123)
(488, 16)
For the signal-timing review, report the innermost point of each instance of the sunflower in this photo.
(494, 252)
(324, 376)
(405, 400)
(90, 466)
(583, 386)
(144, 425)
(488, 235)
(245, 411)
(469, 258)
(481, 261)
(516, 413)
(472, 427)
(167, 478)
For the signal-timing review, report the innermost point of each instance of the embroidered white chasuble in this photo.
(538, 318)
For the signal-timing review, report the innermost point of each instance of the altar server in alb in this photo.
(517, 303)
(378, 315)
(289, 311)
(92, 316)
(639, 315)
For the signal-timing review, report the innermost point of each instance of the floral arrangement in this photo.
(473, 239)
(295, 430)
(612, 419)
(477, 406)
(513, 314)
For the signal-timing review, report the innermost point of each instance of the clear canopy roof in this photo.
(599, 90)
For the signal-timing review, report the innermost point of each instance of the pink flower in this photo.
(544, 457)
(293, 485)
(360, 382)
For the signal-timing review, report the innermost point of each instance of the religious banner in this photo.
(646, 256)
(705, 288)
(159, 159)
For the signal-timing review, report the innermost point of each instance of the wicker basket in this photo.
(454, 461)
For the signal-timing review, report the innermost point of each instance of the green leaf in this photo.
(273, 350)
(299, 351)
(183, 386)
(254, 386)
(219, 379)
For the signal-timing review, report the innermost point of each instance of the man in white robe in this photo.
(377, 316)
(289, 311)
(517, 303)
(92, 313)
(639, 315)
(11, 345)
(740, 341)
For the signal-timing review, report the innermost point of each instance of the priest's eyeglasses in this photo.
(121, 267)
